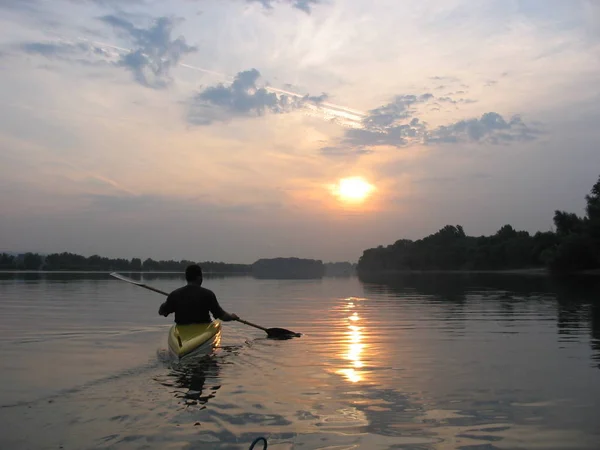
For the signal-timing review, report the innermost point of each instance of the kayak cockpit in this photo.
(194, 338)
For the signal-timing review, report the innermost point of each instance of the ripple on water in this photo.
(418, 366)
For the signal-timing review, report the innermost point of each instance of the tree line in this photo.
(288, 268)
(573, 246)
(71, 261)
(276, 267)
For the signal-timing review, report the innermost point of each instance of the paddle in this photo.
(275, 333)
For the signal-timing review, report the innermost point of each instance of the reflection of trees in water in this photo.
(595, 325)
(446, 291)
(67, 277)
(54, 276)
(577, 299)
(149, 276)
(454, 287)
(440, 287)
(579, 305)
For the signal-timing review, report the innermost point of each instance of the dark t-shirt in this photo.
(192, 304)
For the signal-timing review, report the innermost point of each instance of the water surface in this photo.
(412, 362)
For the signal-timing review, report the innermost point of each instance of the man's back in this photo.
(192, 304)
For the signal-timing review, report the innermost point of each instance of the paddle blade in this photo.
(281, 333)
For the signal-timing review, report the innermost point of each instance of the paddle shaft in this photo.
(153, 289)
(137, 283)
(252, 325)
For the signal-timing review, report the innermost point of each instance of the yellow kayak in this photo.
(197, 338)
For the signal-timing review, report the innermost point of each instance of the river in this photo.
(477, 362)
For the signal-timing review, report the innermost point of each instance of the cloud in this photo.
(302, 5)
(156, 52)
(136, 204)
(392, 124)
(491, 127)
(344, 151)
(80, 52)
(118, 3)
(318, 99)
(449, 79)
(395, 124)
(397, 135)
(454, 179)
(592, 15)
(243, 97)
(400, 108)
(455, 102)
(447, 100)
(19, 5)
(49, 49)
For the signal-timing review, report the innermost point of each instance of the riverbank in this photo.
(536, 271)
(128, 272)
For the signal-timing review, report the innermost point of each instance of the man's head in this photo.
(193, 274)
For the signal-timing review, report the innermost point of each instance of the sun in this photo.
(353, 189)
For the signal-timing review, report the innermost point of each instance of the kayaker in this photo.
(193, 303)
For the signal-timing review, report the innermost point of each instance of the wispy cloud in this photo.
(155, 52)
(19, 5)
(243, 97)
(119, 3)
(490, 127)
(303, 5)
(341, 151)
(396, 124)
(400, 108)
(79, 52)
(394, 135)
(93, 52)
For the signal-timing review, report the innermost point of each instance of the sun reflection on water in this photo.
(354, 342)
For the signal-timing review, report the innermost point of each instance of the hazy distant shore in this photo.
(108, 272)
(531, 271)
(296, 268)
(539, 271)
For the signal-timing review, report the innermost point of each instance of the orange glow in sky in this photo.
(353, 189)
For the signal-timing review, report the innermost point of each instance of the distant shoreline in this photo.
(540, 271)
(181, 273)
(531, 271)
(108, 272)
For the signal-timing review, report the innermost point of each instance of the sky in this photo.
(224, 129)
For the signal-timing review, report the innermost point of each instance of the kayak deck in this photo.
(194, 338)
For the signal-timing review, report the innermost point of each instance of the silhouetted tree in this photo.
(568, 223)
(7, 262)
(31, 261)
(575, 246)
(593, 213)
